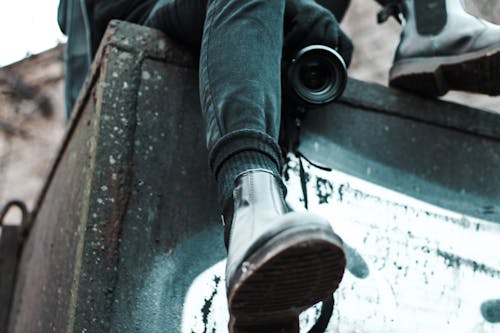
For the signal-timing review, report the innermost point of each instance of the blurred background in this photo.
(32, 117)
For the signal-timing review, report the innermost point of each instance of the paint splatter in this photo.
(491, 311)
(456, 261)
(205, 310)
(324, 190)
(355, 263)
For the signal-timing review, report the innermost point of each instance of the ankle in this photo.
(238, 165)
(260, 188)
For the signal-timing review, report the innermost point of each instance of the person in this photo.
(279, 262)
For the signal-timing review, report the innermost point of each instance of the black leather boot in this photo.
(444, 48)
(279, 262)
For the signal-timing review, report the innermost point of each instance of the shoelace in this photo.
(303, 176)
(324, 317)
(394, 9)
(327, 306)
(293, 143)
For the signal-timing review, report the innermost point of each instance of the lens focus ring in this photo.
(317, 75)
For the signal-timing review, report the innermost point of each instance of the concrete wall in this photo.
(125, 170)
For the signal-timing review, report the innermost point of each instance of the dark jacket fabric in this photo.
(84, 23)
(102, 11)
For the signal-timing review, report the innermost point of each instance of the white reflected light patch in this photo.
(412, 267)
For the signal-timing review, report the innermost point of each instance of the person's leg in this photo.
(240, 92)
(240, 87)
(239, 80)
(443, 48)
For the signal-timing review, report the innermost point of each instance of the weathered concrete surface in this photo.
(125, 171)
(129, 219)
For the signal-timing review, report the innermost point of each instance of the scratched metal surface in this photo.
(412, 266)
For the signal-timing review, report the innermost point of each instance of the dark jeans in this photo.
(240, 45)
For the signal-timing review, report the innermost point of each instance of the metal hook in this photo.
(24, 214)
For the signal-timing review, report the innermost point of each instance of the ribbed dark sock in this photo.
(238, 164)
(240, 151)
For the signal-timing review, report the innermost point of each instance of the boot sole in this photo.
(293, 271)
(477, 72)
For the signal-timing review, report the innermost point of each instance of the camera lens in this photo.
(317, 75)
(314, 75)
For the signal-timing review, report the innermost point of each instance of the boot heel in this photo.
(477, 72)
(279, 262)
(291, 273)
(431, 84)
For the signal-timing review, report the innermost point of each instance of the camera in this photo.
(316, 75)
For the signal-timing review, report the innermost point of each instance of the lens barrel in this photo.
(316, 75)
